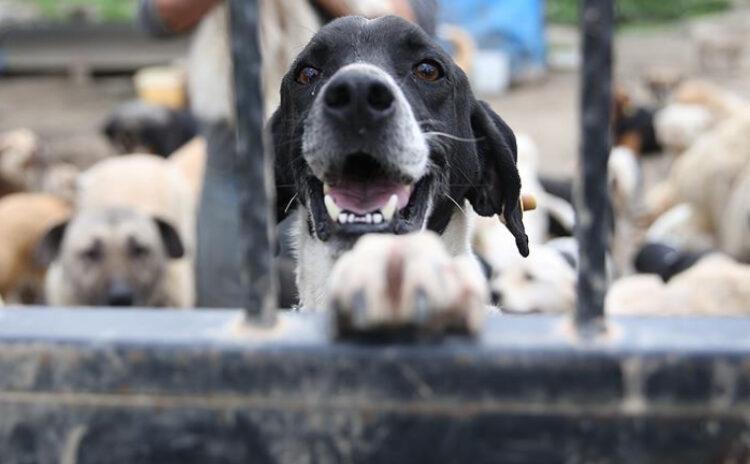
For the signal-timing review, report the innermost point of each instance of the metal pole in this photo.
(597, 20)
(257, 224)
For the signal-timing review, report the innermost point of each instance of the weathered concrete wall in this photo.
(141, 386)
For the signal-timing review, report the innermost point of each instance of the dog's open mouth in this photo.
(367, 201)
(365, 198)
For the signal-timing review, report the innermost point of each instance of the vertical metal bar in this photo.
(597, 21)
(255, 163)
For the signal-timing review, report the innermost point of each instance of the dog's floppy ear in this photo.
(284, 178)
(171, 239)
(498, 189)
(48, 248)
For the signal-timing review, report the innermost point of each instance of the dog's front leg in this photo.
(408, 283)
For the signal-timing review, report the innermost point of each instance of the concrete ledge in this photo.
(156, 386)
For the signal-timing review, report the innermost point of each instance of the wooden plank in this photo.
(54, 49)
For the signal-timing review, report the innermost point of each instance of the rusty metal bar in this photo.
(597, 23)
(257, 225)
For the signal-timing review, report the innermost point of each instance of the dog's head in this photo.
(139, 127)
(378, 131)
(111, 258)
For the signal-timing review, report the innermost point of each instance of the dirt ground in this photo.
(59, 109)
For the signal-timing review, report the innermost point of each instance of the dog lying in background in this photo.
(24, 218)
(695, 107)
(139, 127)
(633, 126)
(135, 216)
(734, 228)
(709, 177)
(715, 286)
(19, 150)
(545, 281)
(682, 228)
(24, 169)
(378, 132)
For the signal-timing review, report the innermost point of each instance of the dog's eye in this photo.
(428, 70)
(136, 250)
(93, 254)
(307, 74)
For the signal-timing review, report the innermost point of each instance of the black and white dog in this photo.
(378, 132)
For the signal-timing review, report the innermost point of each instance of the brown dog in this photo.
(25, 217)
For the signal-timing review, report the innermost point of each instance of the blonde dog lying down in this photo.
(715, 286)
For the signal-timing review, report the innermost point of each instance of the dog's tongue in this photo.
(366, 196)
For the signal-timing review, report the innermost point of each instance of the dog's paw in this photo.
(396, 284)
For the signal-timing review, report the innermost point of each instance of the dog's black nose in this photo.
(359, 99)
(120, 294)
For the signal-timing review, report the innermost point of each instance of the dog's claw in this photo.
(359, 310)
(421, 307)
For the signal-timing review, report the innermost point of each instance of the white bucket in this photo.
(491, 72)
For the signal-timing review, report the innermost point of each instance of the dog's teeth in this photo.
(332, 208)
(350, 218)
(390, 207)
(326, 189)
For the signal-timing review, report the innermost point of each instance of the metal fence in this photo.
(149, 386)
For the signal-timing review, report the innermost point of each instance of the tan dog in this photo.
(716, 286)
(734, 229)
(706, 175)
(153, 187)
(190, 159)
(19, 150)
(111, 257)
(696, 107)
(24, 218)
(722, 103)
(146, 183)
(23, 169)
